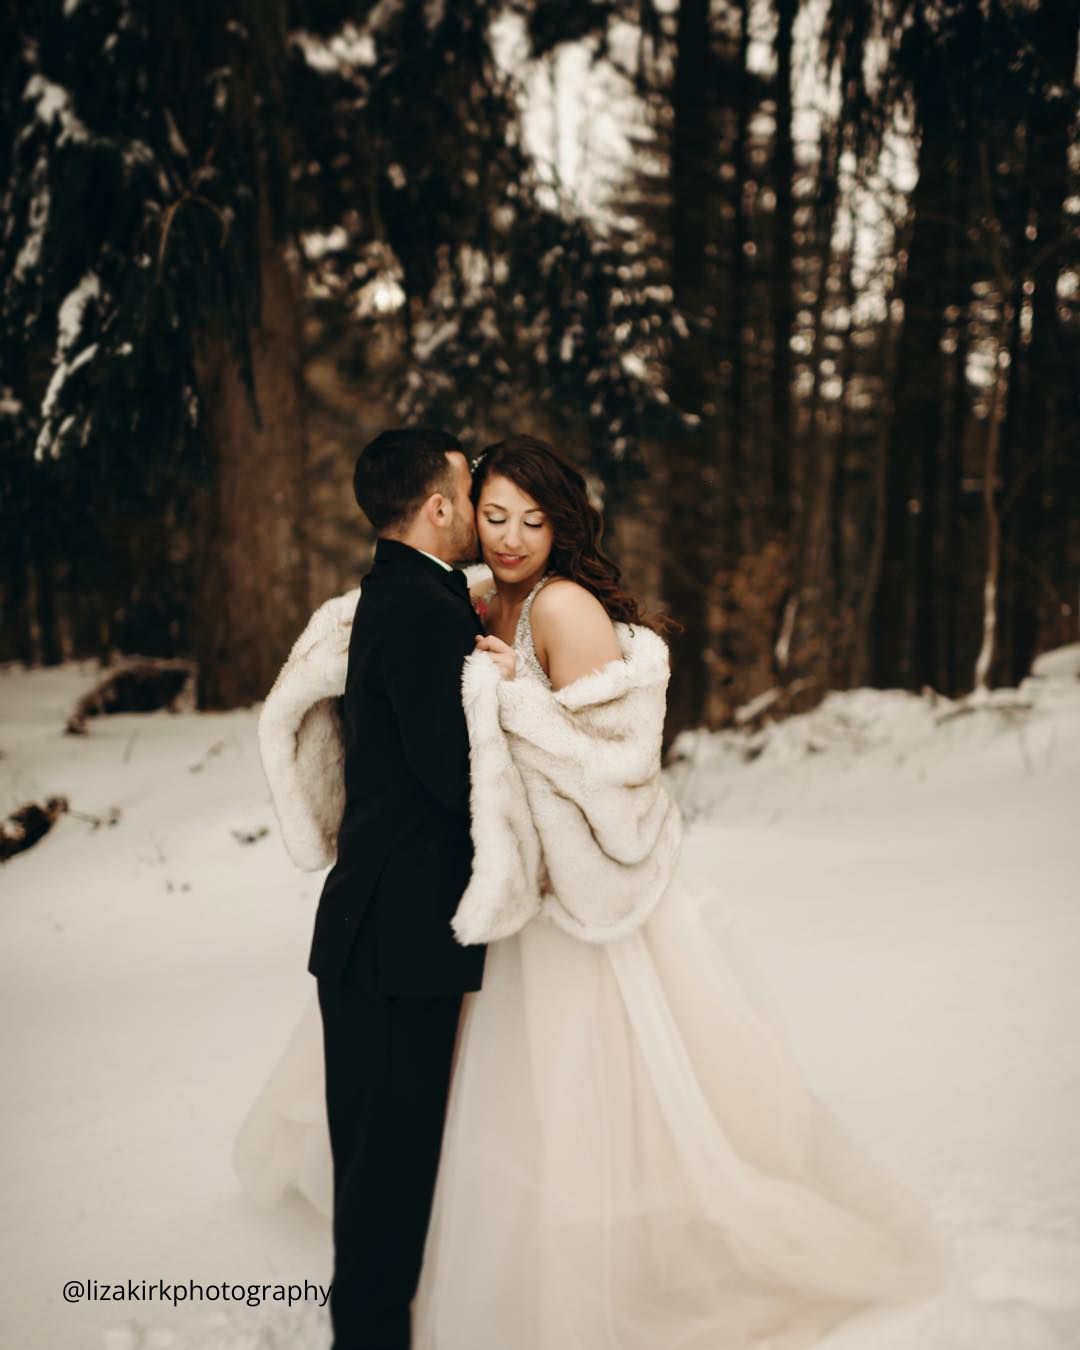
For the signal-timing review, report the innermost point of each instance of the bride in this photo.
(632, 1159)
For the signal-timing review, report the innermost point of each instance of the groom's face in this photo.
(463, 530)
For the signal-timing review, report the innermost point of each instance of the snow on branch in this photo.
(51, 116)
(70, 321)
(348, 49)
(54, 108)
(37, 220)
(72, 311)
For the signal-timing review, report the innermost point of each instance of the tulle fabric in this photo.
(633, 1161)
(284, 1141)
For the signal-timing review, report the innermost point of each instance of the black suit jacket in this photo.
(404, 851)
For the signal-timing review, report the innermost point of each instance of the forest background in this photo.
(796, 281)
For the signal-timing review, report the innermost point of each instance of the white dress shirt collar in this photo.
(444, 565)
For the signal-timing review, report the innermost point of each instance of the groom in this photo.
(390, 973)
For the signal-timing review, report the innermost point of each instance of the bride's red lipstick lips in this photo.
(510, 559)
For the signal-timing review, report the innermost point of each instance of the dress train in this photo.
(633, 1161)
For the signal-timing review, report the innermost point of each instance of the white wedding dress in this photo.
(632, 1158)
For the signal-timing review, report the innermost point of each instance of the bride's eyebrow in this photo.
(530, 511)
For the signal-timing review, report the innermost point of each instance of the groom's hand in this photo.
(504, 657)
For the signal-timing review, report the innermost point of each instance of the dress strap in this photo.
(523, 639)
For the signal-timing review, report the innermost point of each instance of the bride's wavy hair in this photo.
(561, 492)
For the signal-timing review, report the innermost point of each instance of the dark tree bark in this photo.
(739, 484)
(45, 610)
(951, 678)
(692, 485)
(865, 653)
(903, 633)
(253, 576)
(1014, 454)
(17, 635)
(1035, 509)
(783, 282)
(840, 526)
(15, 640)
(816, 606)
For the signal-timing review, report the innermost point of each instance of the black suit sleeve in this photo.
(422, 658)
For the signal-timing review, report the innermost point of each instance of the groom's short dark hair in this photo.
(399, 470)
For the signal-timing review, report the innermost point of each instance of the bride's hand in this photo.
(504, 657)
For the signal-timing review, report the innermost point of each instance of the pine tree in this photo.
(147, 314)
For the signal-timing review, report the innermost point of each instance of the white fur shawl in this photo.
(300, 735)
(569, 817)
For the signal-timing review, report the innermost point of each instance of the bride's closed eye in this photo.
(529, 524)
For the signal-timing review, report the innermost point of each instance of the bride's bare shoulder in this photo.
(572, 632)
(561, 601)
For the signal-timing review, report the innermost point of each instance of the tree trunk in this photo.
(17, 627)
(903, 631)
(783, 285)
(866, 652)
(1036, 510)
(45, 610)
(252, 592)
(1013, 454)
(17, 641)
(740, 481)
(692, 488)
(950, 678)
(744, 491)
(992, 575)
(813, 621)
(845, 593)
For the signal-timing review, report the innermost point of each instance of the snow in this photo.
(428, 337)
(53, 101)
(349, 48)
(1062, 664)
(177, 143)
(318, 243)
(904, 870)
(54, 107)
(37, 220)
(69, 330)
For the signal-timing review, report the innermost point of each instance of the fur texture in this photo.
(300, 735)
(570, 819)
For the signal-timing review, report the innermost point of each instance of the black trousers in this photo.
(388, 1063)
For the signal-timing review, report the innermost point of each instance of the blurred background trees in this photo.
(795, 279)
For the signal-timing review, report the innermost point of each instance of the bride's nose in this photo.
(511, 537)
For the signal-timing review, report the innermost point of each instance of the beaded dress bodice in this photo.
(523, 638)
(528, 663)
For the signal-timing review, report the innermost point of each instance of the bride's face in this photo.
(516, 535)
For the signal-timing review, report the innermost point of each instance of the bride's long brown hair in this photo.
(560, 490)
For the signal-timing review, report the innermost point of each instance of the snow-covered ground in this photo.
(906, 875)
